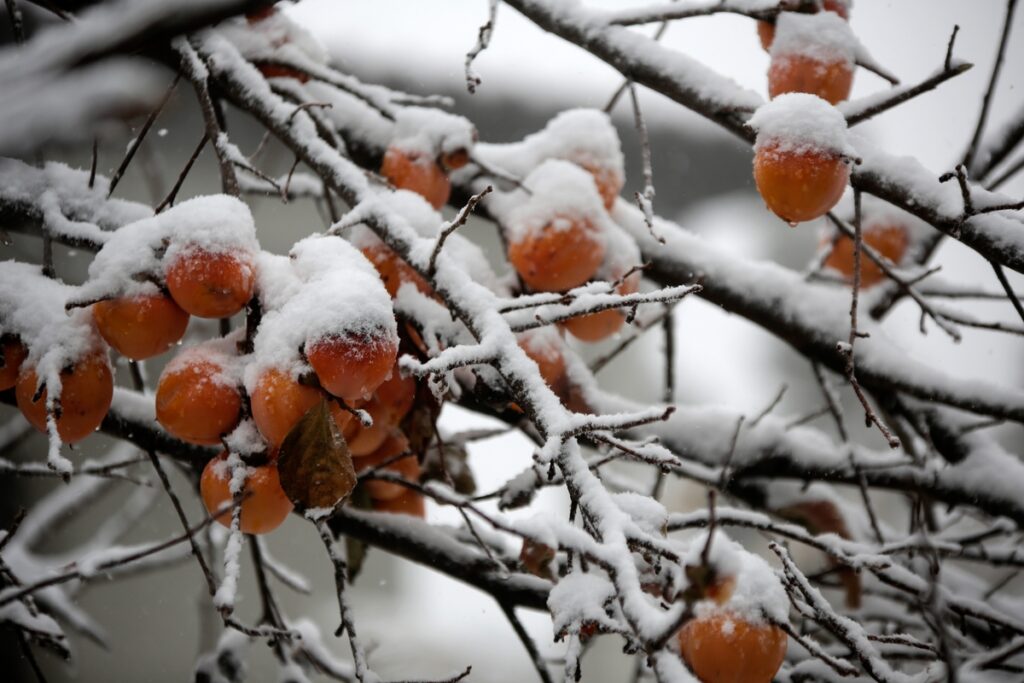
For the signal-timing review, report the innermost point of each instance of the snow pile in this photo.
(135, 257)
(583, 136)
(824, 37)
(327, 289)
(431, 132)
(647, 513)
(32, 308)
(220, 353)
(580, 597)
(272, 37)
(798, 123)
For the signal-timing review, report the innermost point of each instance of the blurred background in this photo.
(422, 625)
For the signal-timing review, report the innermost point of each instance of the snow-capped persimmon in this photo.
(802, 155)
(265, 505)
(13, 354)
(722, 647)
(278, 402)
(87, 388)
(417, 172)
(140, 327)
(211, 284)
(603, 324)
(409, 503)
(407, 467)
(766, 29)
(562, 254)
(195, 401)
(393, 269)
(352, 366)
(830, 80)
(889, 240)
(799, 184)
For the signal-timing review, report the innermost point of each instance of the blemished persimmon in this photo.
(352, 366)
(140, 327)
(889, 240)
(417, 173)
(603, 324)
(393, 269)
(409, 503)
(407, 467)
(194, 401)
(211, 284)
(561, 255)
(799, 184)
(766, 29)
(278, 402)
(13, 355)
(723, 648)
(831, 80)
(87, 387)
(265, 505)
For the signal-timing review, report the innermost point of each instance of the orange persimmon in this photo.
(278, 402)
(195, 402)
(562, 254)
(211, 284)
(140, 327)
(799, 184)
(352, 366)
(87, 388)
(408, 467)
(889, 240)
(416, 172)
(265, 505)
(724, 648)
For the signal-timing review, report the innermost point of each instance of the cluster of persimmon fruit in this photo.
(803, 184)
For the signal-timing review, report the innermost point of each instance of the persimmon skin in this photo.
(453, 161)
(888, 240)
(362, 441)
(140, 327)
(264, 508)
(407, 467)
(193, 405)
(87, 389)
(799, 185)
(278, 402)
(352, 366)
(280, 71)
(831, 81)
(601, 325)
(211, 284)
(766, 29)
(561, 255)
(14, 354)
(394, 271)
(417, 173)
(550, 361)
(409, 503)
(609, 183)
(722, 648)
(396, 395)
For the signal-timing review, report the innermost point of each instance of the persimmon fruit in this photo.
(140, 327)
(453, 161)
(722, 647)
(799, 184)
(195, 402)
(418, 173)
(830, 80)
(407, 467)
(351, 366)
(278, 402)
(363, 441)
(265, 505)
(889, 240)
(547, 356)
(396, 396)
(13, 355)
(562, 254)
(766, 29)
(603, 324)
(87, 388)
(211, 284)
(609, 182)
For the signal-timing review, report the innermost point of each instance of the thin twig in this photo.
(134, 146)
(447, 230)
